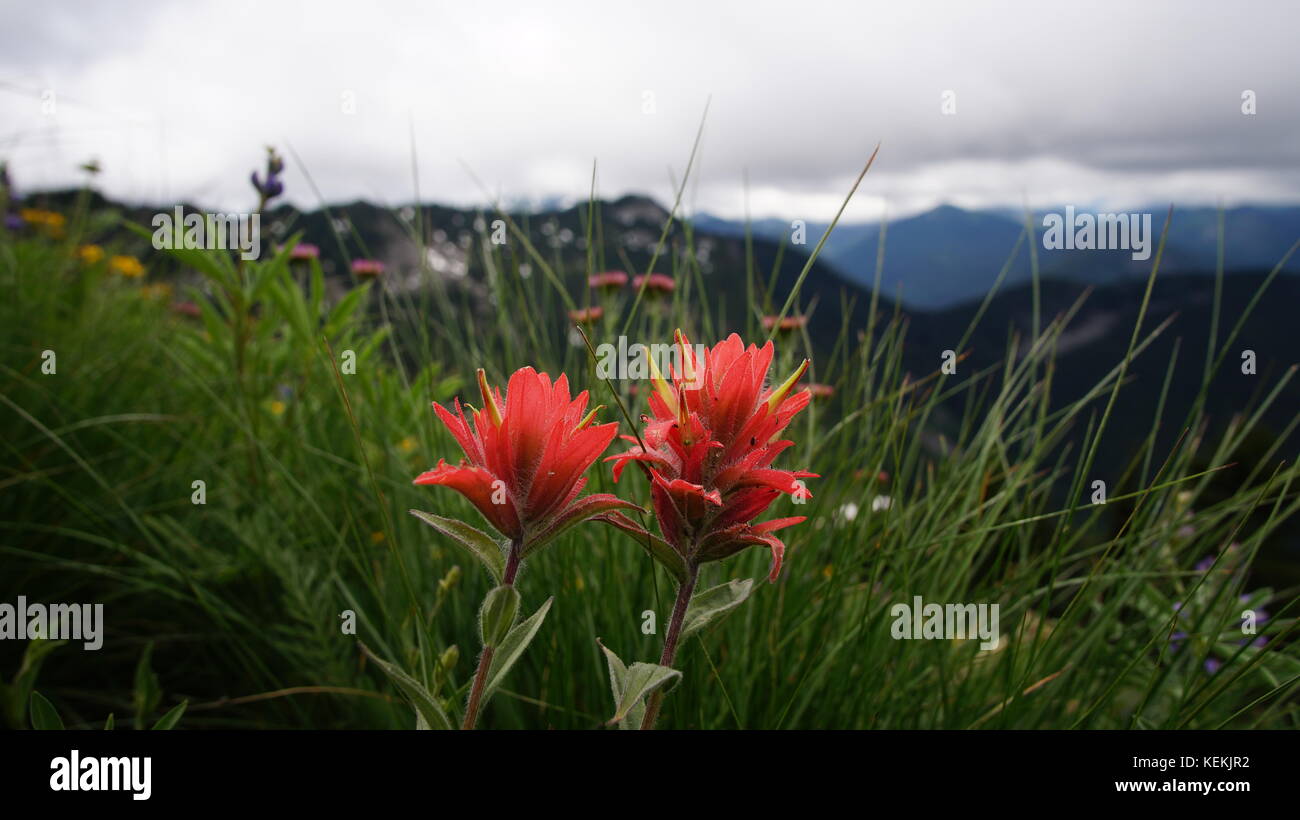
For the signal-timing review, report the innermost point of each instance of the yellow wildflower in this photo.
(127, 266)
(90, 254)
(50, 221)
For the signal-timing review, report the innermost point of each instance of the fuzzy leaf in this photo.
(430, 715)
(475, 541)
(712, 605)
(638, 682)
(617, 685)
(512, 647)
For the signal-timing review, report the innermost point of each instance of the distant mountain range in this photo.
(943, 262)
(947, 256)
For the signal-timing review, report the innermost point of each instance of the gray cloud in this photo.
(1111, 102)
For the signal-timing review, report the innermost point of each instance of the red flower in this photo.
(304, 252)
(586, 315)
(523, 464)
(708, 453)
(367, 268)
(784, 323)
(609, 279)
(186, 309)
(654, 282)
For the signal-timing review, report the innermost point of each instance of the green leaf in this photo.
(341, 315)
(712, 605)
(512, 647)
(169, 720)
(148, 692)
(108, 724)
(497, 616)
(213, 264)
(642, 679)
(617, 685)
(44, 715)
(429, 713)
(631, 685)
(18, 694)
(475, 541)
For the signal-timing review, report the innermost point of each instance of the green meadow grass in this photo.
(236, 603)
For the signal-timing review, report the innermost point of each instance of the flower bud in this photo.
(450, 579)
(498, 614)
(447, 661)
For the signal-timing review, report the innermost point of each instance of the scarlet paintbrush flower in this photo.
(524, 459)
(304, 252)
(586, 315)
(367, 268)
(784, 323)
(660, 282)
(708, 452)
(611, 279)
(525, 456)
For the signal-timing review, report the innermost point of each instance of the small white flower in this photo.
(881, 502)
(849, 511)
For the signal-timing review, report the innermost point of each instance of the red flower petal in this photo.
(480, 487)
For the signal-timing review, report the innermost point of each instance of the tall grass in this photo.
(966, 487)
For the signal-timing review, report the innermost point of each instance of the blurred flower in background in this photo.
(272, 186)
(367, 268)
(127, 266)
(609, 280)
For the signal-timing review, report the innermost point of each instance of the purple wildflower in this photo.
(272, 186)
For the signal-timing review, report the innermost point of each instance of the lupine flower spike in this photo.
(272, 186)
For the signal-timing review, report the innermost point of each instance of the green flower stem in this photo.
(669, 655)
(485, 660)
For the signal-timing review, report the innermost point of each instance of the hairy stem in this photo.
(669, 655)
(485, 660)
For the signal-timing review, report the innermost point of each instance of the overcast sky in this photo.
(1114, 104)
